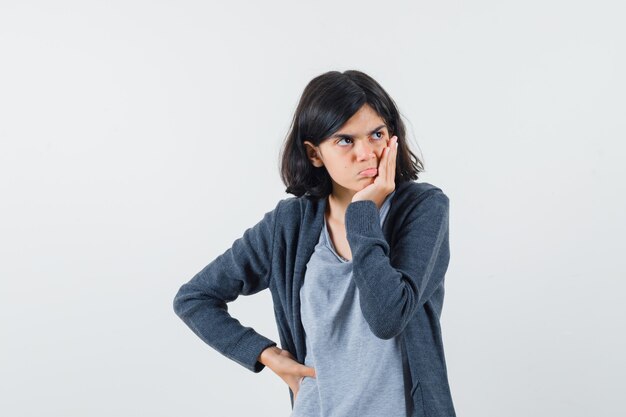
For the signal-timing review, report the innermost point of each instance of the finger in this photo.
(390, 156)
(381, 163)
(394, 157)
(307, 371)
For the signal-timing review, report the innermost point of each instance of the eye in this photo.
(376, 138)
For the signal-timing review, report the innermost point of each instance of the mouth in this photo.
(370, 172)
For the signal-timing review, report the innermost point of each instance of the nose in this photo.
(364, 151)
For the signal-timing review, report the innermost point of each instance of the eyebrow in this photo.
(346, 136)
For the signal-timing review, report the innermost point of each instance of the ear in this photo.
(312, 152)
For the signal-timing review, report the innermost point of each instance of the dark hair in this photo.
(327, 102)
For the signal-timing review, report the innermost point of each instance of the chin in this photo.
(365, 183)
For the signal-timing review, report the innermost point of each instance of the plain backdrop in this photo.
(139, 139)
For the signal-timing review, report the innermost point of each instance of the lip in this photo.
(369, 172)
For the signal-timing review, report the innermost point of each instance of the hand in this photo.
(384, 182)
(283, 364)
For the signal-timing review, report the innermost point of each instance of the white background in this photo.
(139, 139)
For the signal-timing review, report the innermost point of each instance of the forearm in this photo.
(390, 294)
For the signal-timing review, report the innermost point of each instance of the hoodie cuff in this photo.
(363, 218)
(248, 349)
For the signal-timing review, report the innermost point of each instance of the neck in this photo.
(338, 202)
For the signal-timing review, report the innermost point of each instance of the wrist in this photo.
(268, 353)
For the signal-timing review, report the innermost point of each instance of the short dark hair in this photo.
(327, 102)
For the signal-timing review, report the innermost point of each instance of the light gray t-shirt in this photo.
(358, 374)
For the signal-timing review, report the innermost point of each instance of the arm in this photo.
(390, 295)
(242, 269)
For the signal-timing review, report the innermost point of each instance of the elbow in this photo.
(386, 329)
(389, 320)
(178, 303)
(189, 299)
(385, 335)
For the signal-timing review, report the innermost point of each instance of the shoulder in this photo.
(290, 211)
(421, 194)
(291, 207)
(418, 201)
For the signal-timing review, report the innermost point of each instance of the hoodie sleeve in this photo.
(392, 287)
(242, 269)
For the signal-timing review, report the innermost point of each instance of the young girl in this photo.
(355, 263)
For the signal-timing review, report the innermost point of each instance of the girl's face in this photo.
(356, 146)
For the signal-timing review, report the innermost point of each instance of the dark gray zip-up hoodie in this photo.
(399, 271)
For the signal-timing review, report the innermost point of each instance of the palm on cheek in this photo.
(384, 182)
